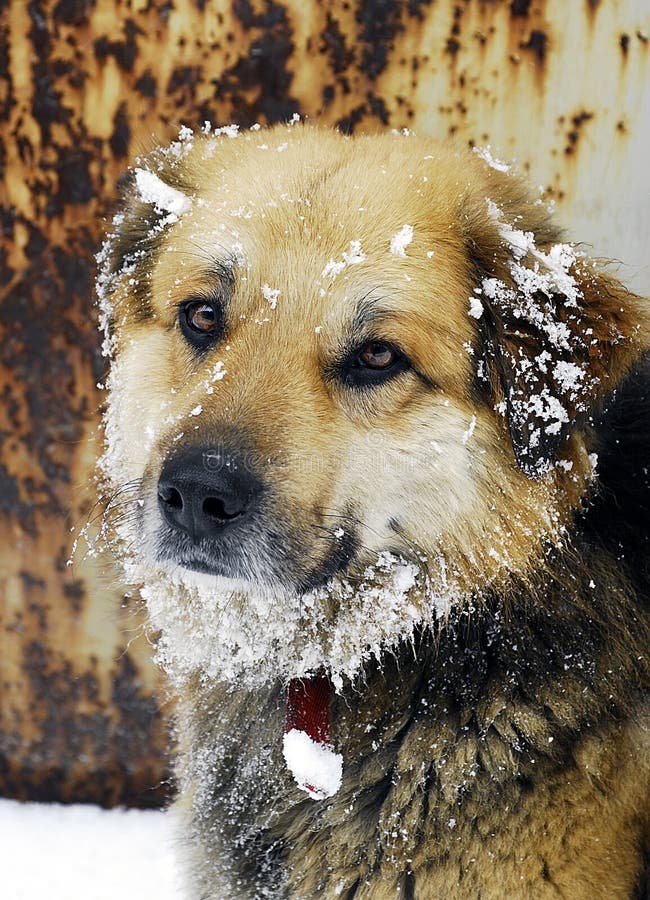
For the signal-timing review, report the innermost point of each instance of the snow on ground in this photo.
(53, 852)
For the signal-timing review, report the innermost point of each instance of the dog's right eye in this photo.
(201, 322)
(200, 317)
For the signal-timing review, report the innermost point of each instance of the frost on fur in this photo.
(485, 153)
(400, 240)
(152, 189)
(318, 770)
(546, 373)
(231, 631)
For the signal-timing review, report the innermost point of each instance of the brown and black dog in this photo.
(386, 440)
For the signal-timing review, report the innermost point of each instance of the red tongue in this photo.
(308, 707)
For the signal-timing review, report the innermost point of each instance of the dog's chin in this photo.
(208, 575)
(218, 563)
(230, 627)
(210, 580)
(210, 567)
(245, 576)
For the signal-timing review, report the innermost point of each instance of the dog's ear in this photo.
(152, 196)
(558, 333)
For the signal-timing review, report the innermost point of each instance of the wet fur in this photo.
(504, 753)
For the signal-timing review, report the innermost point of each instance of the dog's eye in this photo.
(373, 364)
(201, 322)
(377, 356)
(200, 317)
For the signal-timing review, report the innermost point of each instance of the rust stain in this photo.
(453, 44)
(573, 135)
(74, 744)
(520, 7)
(624, 44)
(335, 44)
(379, 24)
(537, 43)
(258, 84)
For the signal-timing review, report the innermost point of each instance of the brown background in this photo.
(85, 86)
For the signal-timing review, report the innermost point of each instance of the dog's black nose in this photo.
(202, 491)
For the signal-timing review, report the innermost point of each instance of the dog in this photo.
(377, 450)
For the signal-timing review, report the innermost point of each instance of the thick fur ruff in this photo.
(491, 697)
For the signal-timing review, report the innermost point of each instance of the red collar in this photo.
(308, 707)
(307, 744)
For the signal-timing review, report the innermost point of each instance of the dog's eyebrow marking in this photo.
(372, 310)
(369, 311)
(224, 272)
(218, 275)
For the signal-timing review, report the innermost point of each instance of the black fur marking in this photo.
(137, 237)
(343, 551)
(619, 516)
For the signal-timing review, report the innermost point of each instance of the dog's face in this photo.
(331, 354)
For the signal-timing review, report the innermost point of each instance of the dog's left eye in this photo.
(377, 356)
(374, 363)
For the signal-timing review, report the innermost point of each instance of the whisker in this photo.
(104, 515)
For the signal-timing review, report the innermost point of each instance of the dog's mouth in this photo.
(342, 555)
(276, 594)
(269, 557)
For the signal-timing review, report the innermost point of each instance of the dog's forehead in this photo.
(316, 229)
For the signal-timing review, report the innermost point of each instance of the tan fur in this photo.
(544, 796)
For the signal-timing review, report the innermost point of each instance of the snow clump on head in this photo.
(351, 257)
(485, 153)
(400, 241)
(152, 189)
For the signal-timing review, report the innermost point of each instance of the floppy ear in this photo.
(558, 333)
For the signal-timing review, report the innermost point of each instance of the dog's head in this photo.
(352, 380)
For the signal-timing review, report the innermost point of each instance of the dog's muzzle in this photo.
(221, 517)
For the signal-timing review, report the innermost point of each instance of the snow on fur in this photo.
(400, 241)
(351, 257)
(237, 631)
(543, 285)
(152, 189)
(485, 153)
(270, 295)
(475, 307)
(318, 770)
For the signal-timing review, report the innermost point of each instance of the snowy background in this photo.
(53, 852)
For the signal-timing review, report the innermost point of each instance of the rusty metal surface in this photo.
(84, 84)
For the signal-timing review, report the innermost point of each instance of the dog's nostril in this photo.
(216, 508)
(171, 497)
